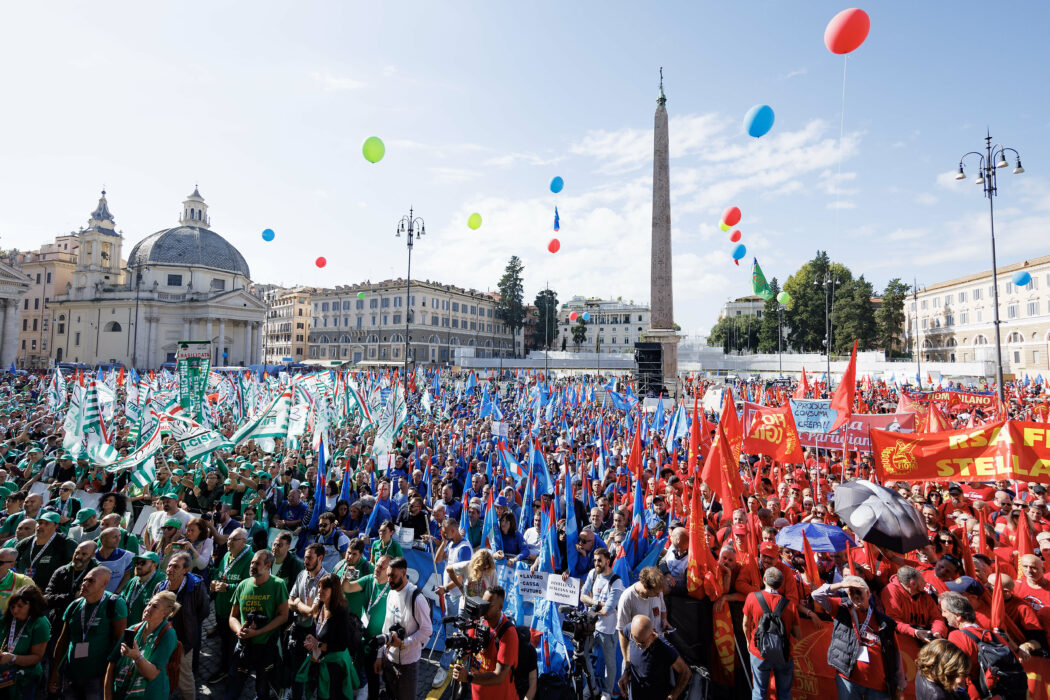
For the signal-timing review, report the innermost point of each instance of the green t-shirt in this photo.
(89, 623)
(261, 599)
(158, 489)
(33, 631)
(370, 600)
(232, 570)
(363, 566)
(136, 594)
(11, 523)
(157, 648)
(392, 548)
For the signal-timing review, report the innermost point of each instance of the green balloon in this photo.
(474, 221)
(373, 149)
(360, 295)
(784, 298)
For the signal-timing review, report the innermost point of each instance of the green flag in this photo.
(758, 282)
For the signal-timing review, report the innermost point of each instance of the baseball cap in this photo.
(501, 502)
(85, 514)
(769, 549)
(173, 522)
(49, 517)
(151, 556)
(740, 529)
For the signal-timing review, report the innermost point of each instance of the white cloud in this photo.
(795, 73)
(841, 204)
(926, 198)
(335, 83)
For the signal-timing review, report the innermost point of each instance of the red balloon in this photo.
(573, 316)
(554, 246)
(731, 216)
(320, 262)
(847, 30)
(734, 236)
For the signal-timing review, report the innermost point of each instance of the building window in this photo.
(925, 323)
(25, 324)
(1008, 288)
(324, 306)
(1011, 311)
(455, 307)
(1035, 357)
(949, 320)
(1017, 356)
(76, 338)
(980, 315)
(25, 304)
(397, 319)
(34, 324)
(373, 303)
(61, 329)
(111, 327)
(964, 318)
(397, 302)
(174, 280)
(1033, 308)
(360, 304)
(385, 303)
(360, 321)
(218, 285)
(455, 323)
(346, 305)
(977, 294)
(947, 299)
(962, 297)
(922, 305)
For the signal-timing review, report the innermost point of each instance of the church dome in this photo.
(188, 245)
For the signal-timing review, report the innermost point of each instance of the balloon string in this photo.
(842, 153)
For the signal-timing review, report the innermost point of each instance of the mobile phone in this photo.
(129, 637)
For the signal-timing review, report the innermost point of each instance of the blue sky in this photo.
(265, 106)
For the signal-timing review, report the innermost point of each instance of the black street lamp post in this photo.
(413, 227)
(989, 162)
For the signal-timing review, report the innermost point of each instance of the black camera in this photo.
(398, 629)
(256, 620)
(579, 624)
(469, 619)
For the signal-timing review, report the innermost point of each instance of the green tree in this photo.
(735, 334)
(579, 333)
(813, 288)
(511, 305)
(854, 316)
(889, 318)
(767, 330)
(547, 310)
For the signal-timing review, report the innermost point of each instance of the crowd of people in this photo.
(110, 588)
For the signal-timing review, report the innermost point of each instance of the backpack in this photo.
(770, 635)
(174, 661)
(1001, 672)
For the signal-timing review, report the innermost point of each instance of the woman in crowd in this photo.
(138, 670)
(941, 671)
(113, 502)
(386, 544)
(514, 547)
(327, 668)
(203, 496)
(198, 542)
(472, 577)
(256, 530)
(25, 631)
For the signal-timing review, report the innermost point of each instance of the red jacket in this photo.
(912, 611)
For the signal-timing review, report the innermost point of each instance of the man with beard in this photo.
(366, 598)
(64, 586)
(399, 665)
(301, 600)
(332, 540)
(260, 609)
(40, 556)
(10, 581)
(141, 586)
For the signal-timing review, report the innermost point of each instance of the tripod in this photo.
(581, 675)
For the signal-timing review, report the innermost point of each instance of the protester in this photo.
(260, 609)
(329, 644)
(192, 597)
(139, 590)
(493, 678)
(941, 671)
(399, 662)
(233, 569)
(769, 602)
(653, 662)
(138, 669)
(25, 632)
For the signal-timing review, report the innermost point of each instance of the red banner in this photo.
(857, 430)
(959, 400)
(814, 678)
(1003, 450)
(772, 432)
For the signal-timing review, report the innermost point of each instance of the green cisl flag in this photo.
(192, 364)
(758, 282)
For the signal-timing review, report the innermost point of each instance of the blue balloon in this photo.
(739, 252)
(586, 315)
(1022, 278)
(268, 234)
(758, 120)
(556, 185)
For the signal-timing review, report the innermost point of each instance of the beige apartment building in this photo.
(48, 270)
(952, 321)
(287, 326)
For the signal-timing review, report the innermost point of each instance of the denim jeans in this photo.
(785, 677)
(848, 690)
(607, 643)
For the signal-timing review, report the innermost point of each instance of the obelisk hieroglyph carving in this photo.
(661, 301)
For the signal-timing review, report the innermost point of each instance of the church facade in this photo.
(180, 283)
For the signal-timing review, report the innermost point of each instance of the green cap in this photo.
(174, 522)
(49, 517)
(65, 455)
(85, 514)
(178, 472)
(150, 556)
(33, 449)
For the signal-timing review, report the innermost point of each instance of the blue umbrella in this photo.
(822, 538)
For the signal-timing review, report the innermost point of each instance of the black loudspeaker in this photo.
(649, 368)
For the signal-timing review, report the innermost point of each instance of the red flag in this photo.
(842, 401)
(773, 432)
(967, 557)
(634, 460)
(731, 424)
(1024, 537)
(849, 558)
(694, 443)
(982, 543)
(120, 376)
(803, 387)
(812, 571)
(722, 472)
(936, 421)
(694, 567)
(998, 615)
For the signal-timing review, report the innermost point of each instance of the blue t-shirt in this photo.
(289, 512)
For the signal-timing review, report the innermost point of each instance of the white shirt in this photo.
(397, 603)
(156, 522)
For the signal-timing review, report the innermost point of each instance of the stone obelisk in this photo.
(661, 300)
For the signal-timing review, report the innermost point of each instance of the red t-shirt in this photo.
(505, 651)
(753, 612)
(870, 670)
(978, 493)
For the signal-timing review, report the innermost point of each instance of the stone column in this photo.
(219, 359)
(247, 343)
(256, 342)
(3, 329)
(186, 330)
(9, 347)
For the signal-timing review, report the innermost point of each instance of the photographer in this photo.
(601, 592)
(260, 609)
(302, 600)
(499, 657)
(407, 627)
(366, 598)
(471, 578)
